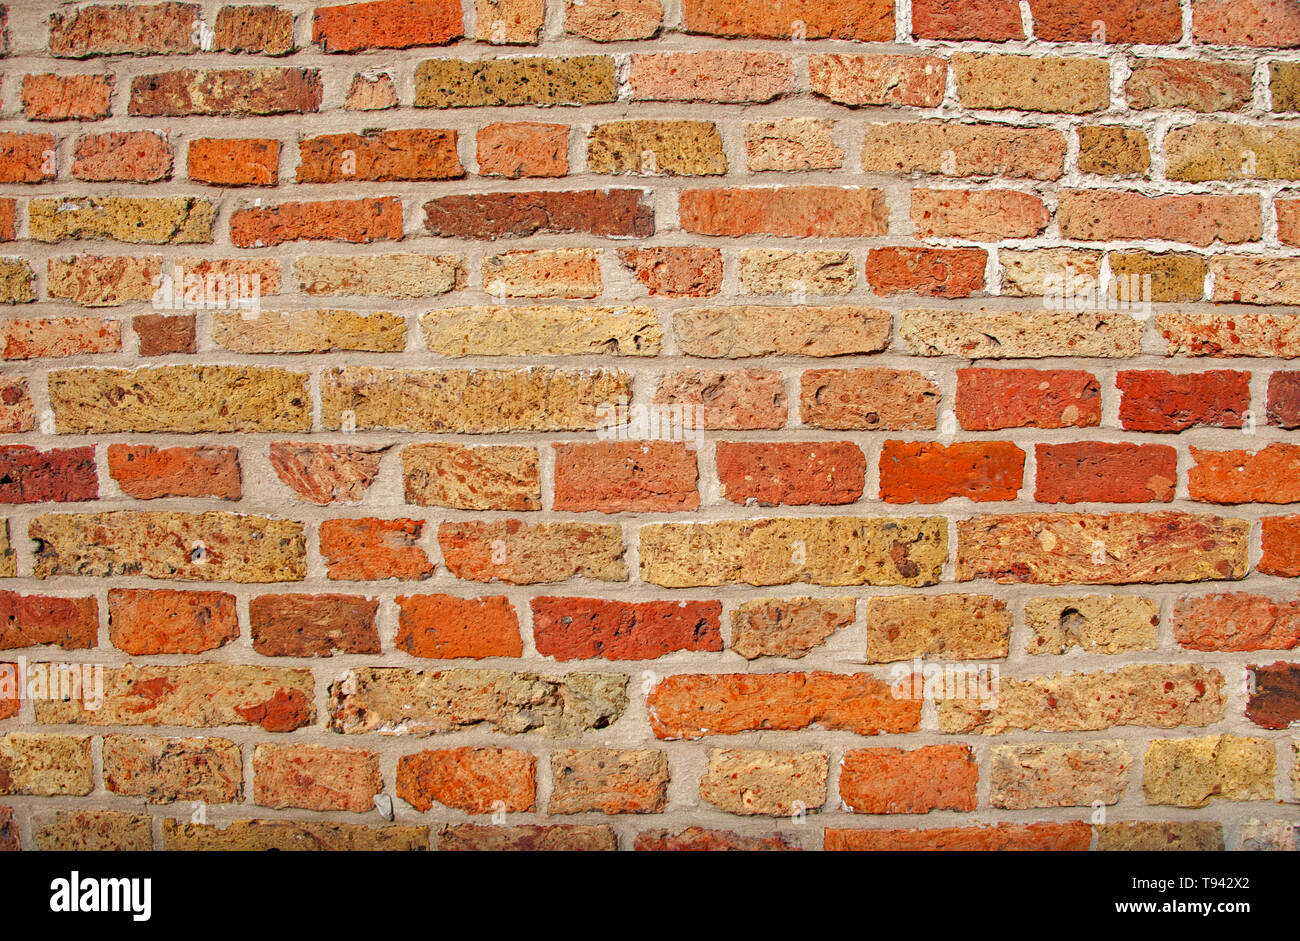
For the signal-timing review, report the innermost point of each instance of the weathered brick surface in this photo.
(327, 421)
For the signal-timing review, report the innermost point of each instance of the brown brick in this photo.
(91, 831)
(62, 475)
(1108, 21)
(990, 20)
(870, 399)
(161, 334)
(165, 770)
(255, 29)
(1173, 277)
(698, 839)
(529, 837)
(988, 837)
(313, 625)
(1112, 150)
(233, 92)
(1210, 151)
(610, 212)
(672, 148)
(1188, 83)
(1151, 836)
(181, 220)
(291, 836)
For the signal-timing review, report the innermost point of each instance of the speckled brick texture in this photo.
(649, 424)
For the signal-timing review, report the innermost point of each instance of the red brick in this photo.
(1281, 546)
(1288, 220)
(694, 705)
(475, 780)
(15, 405)
(863, 20)
(1097, 472)
(160, 334)
(979, 215)
(146, 472)
(122, 156)
(1156, 400)
(36, 620)
(869, 399)
(855, 80)
(1284, 399)
(316, 778)
(379, 156)
(27, 158)
(929, 472)
(346, 220)
(523, 149)
(60, 475)
(1236, 622)
(296, 625)
(261, 91)
(588, 628)
(989, 20)
(625, 477)
(387, 24)
(1271, 24)
(519, 553)
(8, 219)
(59, 336)
(1189, 83)
(999, 836)
(374, 549)
(895, 781)
(143, 622)
(931, 272)
(676, 272)
(785, 211)
(790, 473)
(49, 97)
(445, 627)
(615, 212)
(993, 399)
(1111, 21)
(1271, 475)
(734, 400)
(133, 29)
(234, 161)
(326, 473)
(1112, 215)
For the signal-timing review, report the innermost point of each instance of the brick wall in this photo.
(954, 505)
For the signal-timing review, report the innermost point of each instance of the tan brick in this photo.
(17, 281)
(529, 554)
(179, 398)
(608, 781)
(979, 215)
(1058, 775)
(951, 627)
(397, 275)
(210, 546)
(286, 836)
(408, 702)
(539, 80)
(508, 21)
(768, 783)
(996, 334)
(309, 331)
(495, 477)
(1174, 277)
(179, 220)
(164, 770)
(1036, 153)
(550, 330)
(543, 272)
(1248, 279)
(1107, 624)
(198, 696)
(1031, 83)
(672, 148)
(1112, 150)
(752, 330)
(45, 765)
(613, 20)
(1154, 696)
(1209, 151)
(768, 271)
(787, 627)
(1039, 272)
(469, 401)
(1151, 836)
(1191, 772)
(91, 831)
(821, 551)
(1262, 335)
(792, 144)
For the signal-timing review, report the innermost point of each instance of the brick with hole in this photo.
(59, 336)
(1240, 476)
(787, 627)
(730, 401)
(691, 706)
(1104, 624)
(492, 477)
(520, 553)
(313, 625)
(166, 770)
(931, 472)
(374, 549)
(1236, 621)
(475, 780)
(608, 781)
(916, 781)
(948, 627)
(145, 622)
(768, 783)
(996, 399)
(1102, 472)
(790, 473)
(325, 474)
(312, 777)
(39, 620)
(194, 696)
(625, 477)
(445, 627)
(589, 628)
(60, 475)
(146, 472)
